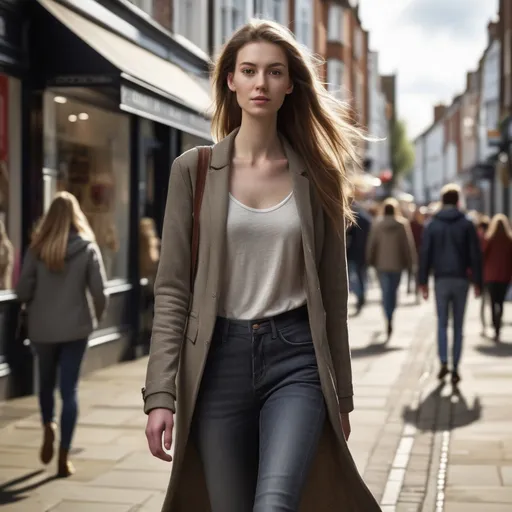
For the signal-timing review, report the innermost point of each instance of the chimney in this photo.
(492, 31)
(439, 112)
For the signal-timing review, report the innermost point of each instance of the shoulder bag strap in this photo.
(202, 171)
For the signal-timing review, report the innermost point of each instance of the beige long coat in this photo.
(180, 342)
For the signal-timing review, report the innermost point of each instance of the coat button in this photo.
(214, 295)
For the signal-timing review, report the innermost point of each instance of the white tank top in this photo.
(264, 261)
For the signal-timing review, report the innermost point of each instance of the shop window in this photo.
(10, 182)
(87, 154)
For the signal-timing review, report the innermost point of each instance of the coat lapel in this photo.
(302, 192)
(217, 199)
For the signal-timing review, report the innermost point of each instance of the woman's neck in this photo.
(257, 140)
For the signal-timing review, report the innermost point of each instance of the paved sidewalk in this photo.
(115, 472)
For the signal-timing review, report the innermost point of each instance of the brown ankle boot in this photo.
(46, 453)
(65, 468)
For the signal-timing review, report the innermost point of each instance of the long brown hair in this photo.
(314, 122)
(50, 238)
(499, 224)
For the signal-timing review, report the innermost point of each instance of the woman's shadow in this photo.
(443, 411)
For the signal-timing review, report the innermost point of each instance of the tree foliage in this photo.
(402, 150)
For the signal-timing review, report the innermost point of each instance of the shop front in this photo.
(107, 118)
(12, 74)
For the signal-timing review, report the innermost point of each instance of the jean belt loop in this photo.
(225, 330)
(274, 328)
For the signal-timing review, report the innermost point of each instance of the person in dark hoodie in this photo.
(357, 238)
(62, 265)
(451, 250)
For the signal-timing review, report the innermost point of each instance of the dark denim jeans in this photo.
(65, 360)
(260, 413)
(451, 294)
(357, 273)
(389, 282)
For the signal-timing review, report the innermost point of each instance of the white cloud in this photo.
(430, 47)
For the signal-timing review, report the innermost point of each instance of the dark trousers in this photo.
(497, 293)
(62, 360)
(451, 297)
(389, 283)
(260, 413)
(357, 273)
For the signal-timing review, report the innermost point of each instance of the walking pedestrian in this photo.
(497, 266)
(390, 251)
(481, 228)
(252, 354)
(62, 264)
(450, 249)
(357, 239)
(417, 226)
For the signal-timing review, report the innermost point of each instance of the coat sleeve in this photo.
(96, 281)
(334, 286)
(27, 281)
(371, 246)
(172, 292)
(410, 246)
(475, 253)
(425, 264)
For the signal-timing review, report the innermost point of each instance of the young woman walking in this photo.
(497, 248)
(61, 265)
(256, 361)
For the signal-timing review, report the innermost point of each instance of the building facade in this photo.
(98, 100)
(489, 120)
(505, 37)
(378, 153)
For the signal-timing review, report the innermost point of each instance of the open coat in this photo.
(180, 341)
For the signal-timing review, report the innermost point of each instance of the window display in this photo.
(89, 149)
(10, 181)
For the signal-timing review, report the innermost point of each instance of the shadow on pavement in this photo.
(14, 490)
(373, 349)
(443, 412)
(500, 349)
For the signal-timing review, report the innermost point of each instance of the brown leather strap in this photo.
(202, 170)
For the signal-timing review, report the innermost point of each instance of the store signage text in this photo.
(167, 112)
(81, 80)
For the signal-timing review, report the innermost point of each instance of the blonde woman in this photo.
(390, 251)
(264, 388)
(61, 265)
(497, 247)
(6, 259)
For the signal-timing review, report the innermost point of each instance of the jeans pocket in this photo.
(297, 334)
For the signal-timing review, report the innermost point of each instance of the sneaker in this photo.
(455, 377)
(443, 372)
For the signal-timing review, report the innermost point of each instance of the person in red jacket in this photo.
(498, 266)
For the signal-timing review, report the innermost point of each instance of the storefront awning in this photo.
(151, 86)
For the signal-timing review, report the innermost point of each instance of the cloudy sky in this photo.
(430, 44)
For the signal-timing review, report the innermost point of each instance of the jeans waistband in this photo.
(262, 325)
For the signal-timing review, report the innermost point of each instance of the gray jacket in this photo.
(58, 305)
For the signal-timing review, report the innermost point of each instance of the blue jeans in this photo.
(259, 414)
(357, 280)
(451, 294)
(389, 282)
(65, 360)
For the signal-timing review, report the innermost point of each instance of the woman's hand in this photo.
(345, 424)
(160, 422)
